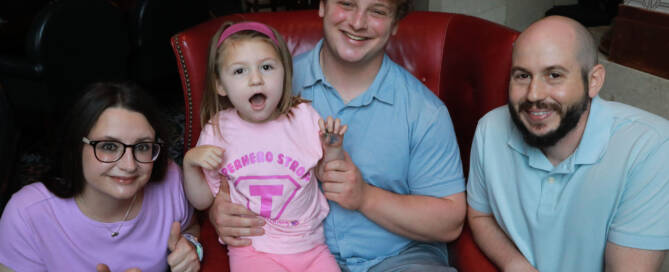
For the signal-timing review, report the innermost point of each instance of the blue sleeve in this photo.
(435, 168)
(476, 187)
(642, 218)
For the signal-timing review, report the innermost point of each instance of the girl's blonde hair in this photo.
(212, 103)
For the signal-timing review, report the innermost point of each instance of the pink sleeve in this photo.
(312, 129)
(18, 250)
(207, 137)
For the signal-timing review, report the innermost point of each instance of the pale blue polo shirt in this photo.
(401, 138)
(613, 188)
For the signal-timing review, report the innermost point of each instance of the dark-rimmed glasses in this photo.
(112, 151)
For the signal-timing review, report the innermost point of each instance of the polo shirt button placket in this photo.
(551, 180)
(548, 199)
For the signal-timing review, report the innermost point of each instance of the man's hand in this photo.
(183, 255)
(343, 183)
(232, 221)
(105, 268)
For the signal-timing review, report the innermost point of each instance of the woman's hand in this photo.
(183, 255)
(105, 268)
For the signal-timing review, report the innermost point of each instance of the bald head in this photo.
(548, 97)
(562, 30)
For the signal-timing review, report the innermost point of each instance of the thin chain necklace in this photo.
(115, 233)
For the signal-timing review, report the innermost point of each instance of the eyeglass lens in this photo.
(110, 151)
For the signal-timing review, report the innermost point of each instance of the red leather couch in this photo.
(464, 60)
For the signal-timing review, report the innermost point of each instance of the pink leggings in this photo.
(247, 258)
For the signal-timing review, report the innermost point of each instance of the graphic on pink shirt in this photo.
(258, 187)
(266, 157)
(267, 195)
(265, 192)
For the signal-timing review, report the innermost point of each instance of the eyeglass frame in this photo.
(125, 146)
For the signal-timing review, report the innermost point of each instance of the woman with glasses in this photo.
(118, 202)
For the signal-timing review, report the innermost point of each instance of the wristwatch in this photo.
(196, 244)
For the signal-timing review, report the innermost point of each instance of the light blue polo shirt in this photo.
(614, 187)
(401, 138)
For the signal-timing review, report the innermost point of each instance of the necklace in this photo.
(115, 233)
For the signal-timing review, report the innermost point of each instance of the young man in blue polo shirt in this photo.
(401, 184)
(561, 180)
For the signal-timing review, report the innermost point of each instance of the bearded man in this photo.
(561, 180)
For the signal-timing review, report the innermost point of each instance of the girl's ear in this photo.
(219, 89)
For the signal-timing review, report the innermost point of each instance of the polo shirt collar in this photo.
(536, 158)
(590, 150)
(597, 133)
(315, 73)
(381, 88)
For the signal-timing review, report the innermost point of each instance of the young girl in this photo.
(262, 144)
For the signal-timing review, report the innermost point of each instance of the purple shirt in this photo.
(40, 231)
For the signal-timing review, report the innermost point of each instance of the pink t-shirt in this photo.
(269, 169)
(40, 231)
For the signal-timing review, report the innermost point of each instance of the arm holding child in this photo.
(414, 216)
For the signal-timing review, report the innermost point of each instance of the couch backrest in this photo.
(464, 60)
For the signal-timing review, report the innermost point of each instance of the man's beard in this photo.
(568, 121)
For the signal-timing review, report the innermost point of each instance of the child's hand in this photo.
(205, 156)
(331, 132)
(332, 137)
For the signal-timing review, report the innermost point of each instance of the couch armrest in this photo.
(467, 256)
(215, 254)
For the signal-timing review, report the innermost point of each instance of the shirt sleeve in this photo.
(435, 168)
(476, 185)
(312, 130)
(642, 218)
(17, 247)
(183, 209)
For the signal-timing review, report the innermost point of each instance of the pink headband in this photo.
(255, 26)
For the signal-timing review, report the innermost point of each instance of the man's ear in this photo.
(321, 8)
(596, 78)
(395, 26)
(220, 90)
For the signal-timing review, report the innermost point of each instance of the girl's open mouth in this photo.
(258, 101)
